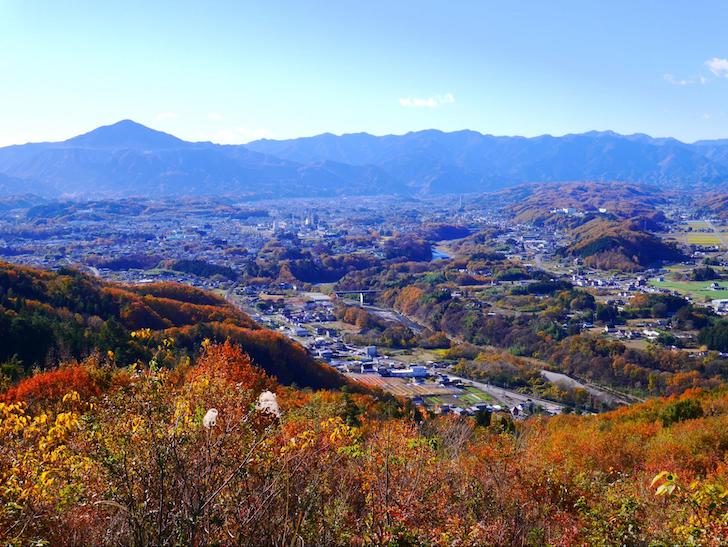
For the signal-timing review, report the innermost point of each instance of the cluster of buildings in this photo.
(574, 212)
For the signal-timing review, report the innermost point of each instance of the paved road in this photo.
(559, 378)
(392, 315)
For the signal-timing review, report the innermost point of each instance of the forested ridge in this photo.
(48, 317)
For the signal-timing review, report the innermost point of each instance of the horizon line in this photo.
(382, 135)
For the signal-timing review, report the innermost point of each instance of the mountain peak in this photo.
(126, 134)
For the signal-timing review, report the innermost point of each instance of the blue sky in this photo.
(237, 71)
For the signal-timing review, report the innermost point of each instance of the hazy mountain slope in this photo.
(16, 186)
(127, 158)
(477, 161)
(126, 134)
(716, 150)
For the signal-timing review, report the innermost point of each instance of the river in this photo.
(439, 253)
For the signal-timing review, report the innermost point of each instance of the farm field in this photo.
(432, 393)
(473, 396)
(702, 238)
(700, 232)
(698, 224)
(698, 290)
(466, 397)
(414, 355)
(402, 387)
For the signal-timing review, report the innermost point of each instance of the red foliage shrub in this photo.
(53, 385)
(230, 362)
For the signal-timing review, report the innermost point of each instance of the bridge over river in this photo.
(360, 292)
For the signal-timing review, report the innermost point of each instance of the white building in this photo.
(417, 371)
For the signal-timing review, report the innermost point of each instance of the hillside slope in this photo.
(714, 205)
(50, 316)
(620, 245)
(544, 205)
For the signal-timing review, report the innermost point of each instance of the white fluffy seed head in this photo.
(268, 402)
(210, 418)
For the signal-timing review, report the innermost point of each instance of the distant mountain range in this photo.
(127, 158)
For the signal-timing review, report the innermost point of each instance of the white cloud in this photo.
(429, 102)
(674, 80)
(167, 116)
(669, 78)
(718, 66)
(214, 116)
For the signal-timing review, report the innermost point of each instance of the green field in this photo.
(473, 395)
(698, 290)
(467, 397)
(702, 238)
